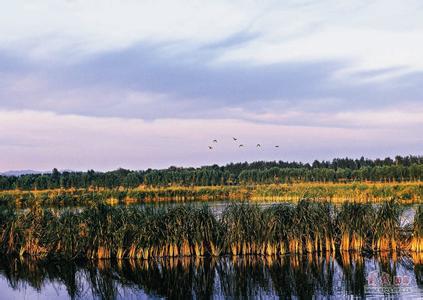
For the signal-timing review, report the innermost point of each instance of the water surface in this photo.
(206, 278)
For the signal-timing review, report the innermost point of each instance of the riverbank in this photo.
(405, 192)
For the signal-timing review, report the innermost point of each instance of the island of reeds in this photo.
(103, 232)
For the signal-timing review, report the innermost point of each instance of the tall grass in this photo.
(103, 232)
(354, 223)
(416, 244)
(337, 193)
(385, 227)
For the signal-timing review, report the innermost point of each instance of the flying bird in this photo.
(234, 138)
(258, 145)
(210, 148)
(277, 146)
(241, 145)
(214, 141)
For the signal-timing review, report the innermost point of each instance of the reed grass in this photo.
(405, 192)
(354, 223)
(385, 227)
(308, 227)
(416, 244)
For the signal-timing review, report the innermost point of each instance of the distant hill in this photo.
(29, 172)
(20, 172)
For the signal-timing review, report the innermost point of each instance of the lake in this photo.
(206, 278)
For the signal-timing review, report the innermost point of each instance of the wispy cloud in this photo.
(348, 72)
(370, 35)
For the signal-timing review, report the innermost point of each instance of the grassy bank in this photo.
(103, 232)
(406, 192)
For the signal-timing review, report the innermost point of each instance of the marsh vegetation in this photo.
(405, 193)
(103, 232)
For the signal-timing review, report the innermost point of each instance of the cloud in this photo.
(139, 83)
(359, 32)
(347, 74)
(87, 27)
(369, 35)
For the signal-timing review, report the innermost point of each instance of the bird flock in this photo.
(211, 147)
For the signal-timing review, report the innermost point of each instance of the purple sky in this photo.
(139, 84)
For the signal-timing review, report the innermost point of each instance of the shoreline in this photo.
(362, 192)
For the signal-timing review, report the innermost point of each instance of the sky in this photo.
(149, 84)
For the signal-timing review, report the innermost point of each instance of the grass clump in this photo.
(104, 232)
(416, 244)
(354, 221)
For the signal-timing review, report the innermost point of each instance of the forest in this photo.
(399, 169)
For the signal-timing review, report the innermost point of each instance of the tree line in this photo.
(408, 168)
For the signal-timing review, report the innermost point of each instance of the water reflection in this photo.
(239, 277)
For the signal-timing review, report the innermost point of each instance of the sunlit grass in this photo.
(103, 232)
(405, 192)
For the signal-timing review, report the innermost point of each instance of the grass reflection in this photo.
(205, 278)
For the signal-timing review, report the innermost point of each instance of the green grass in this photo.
(103, 231)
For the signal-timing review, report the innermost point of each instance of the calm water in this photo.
(247, 277)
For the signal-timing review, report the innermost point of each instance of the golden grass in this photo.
(405, 192)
